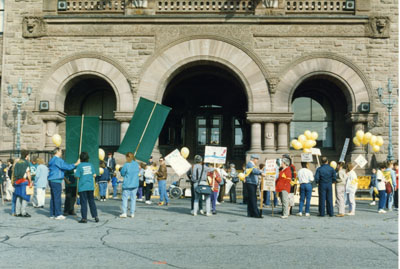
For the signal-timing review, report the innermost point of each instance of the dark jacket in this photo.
(325, 174)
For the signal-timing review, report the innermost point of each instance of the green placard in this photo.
(90, 139)
(144, 129)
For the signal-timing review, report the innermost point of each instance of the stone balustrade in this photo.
(195, 6)
(76, 6)
(326, 7)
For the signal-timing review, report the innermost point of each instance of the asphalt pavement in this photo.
(169, 237)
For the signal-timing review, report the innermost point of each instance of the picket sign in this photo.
(307, 157)
(268, 183)
(360, 162)
(344, 150)
(215, 155)
(179, 164)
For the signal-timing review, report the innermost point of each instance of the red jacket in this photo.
(283, 182)
(217, 180)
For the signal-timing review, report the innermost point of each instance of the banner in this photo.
(144, 129)
(215, 154)
(177, 162)
(90, 139)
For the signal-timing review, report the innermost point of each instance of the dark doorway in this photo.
(209, 107)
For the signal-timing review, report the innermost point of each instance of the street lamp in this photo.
(389, 103)
(19, 101)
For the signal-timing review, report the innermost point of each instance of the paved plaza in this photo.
(161, 236)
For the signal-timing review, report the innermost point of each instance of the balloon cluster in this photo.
(305, 141)
(367, 138)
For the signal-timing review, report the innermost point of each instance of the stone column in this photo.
(51, 129)
(255, 137)
(283, 137)
(357, 149)
(269, 137)
(51, 120)
(124, 128)
(124, 118)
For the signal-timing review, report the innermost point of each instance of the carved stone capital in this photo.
(378, 27)
(354, 117)
(33, 27)
(269, 117)
(123, 116)
(56, 116)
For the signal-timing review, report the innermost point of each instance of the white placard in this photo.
(306, 158)
(177, 162)
(316, 151)
(270, 166)
(361, 161)
(269, 183)
(215, 154)
(344, 150)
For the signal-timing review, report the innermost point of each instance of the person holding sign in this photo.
(325, 176)
(162, 182)
(351, 188)
(306, 177)
(84, 174)
(252, 182)
(283, 186)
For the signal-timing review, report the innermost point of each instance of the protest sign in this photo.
(177, 162)
(344, 150)
(361, 161)
(316, 151)
(215, 154)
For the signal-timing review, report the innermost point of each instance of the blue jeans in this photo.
(126, 193)
(55, 200)
(115, 189)
(87, 197)
(214, 196)
(103, 188)
(162, 187)
(325, 198)
(140, 193)
(305, 193)
(390, 200)
(382, 200)
(267, 199)
(13, 203)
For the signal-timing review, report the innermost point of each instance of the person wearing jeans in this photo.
(351, 188)
(325, 176)
(40, 184)
(22, 179)
(103, 180)
(130, 172)
(381, 186)
(57, 167)
(306, 178)
(391, 175)
(199, 177)
(215, 181)
(162, 182)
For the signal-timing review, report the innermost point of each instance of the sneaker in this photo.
(96, 219)
(26, 215)
(194, 214)
(372, 203)
(52, 217)
(307, 214)
(299, 214)
(82, 221)
(390, 209)
(340, 215)
(115, 198)
(208, 214)
(218, 203)
(61, 217)
(161, 203)
(202, 212)
(350, 214)
(132, 216)
(139, 200)
(214, 212)
(122, 216)
(381, 211)
(284, 217)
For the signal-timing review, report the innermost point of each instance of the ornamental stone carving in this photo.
(33, 27)
(273, 82)
(379, 27)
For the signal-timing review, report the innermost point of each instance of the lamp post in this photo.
(389, 103)
(19, 100)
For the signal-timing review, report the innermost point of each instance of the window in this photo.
(238, 132)
(313, 115)
(1, 16)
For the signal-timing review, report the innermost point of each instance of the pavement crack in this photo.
(391, 250)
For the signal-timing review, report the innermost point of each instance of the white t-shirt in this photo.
(380, 178)
(305, 176)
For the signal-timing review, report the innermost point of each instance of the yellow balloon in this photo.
(297, 145)
(366, 138)
(241, 176)
(373, 140)
(307, 133)
(306, 150)
(56, 140)
(117, 167)
(356, 142)
(102, 154)
(333, 164)
(308, 144)
(314, 143)
(302, 139)
(185, 152)
(360, 135)
(376, 148)
(314, 135)
(101, 171)
(379, 141)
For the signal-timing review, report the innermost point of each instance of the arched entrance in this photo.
(319, 104)
(90, 95)
(209, 107)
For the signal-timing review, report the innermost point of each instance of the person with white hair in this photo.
(283, 186)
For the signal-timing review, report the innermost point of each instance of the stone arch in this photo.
(55, 86)
(161, 68)
(348, 77)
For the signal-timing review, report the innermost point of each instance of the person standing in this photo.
(130, 172)
(222, 185)
(162, 182)
(22, 179)
(9, 189)
(32, 167)
(233, 175)
(214, 179)
(396, 192)
(114, 183)
(199, 177)
(381, 186)
(244, 187)
(306, 177)
(70, 193)
(351, 188)
(341, 189)
(391, 177)
(283, 186)
(325, 176)
(372, 185)
(110, 162)
(149, 180)
(103, 180)
(252, 182)
(140, 192)
(40, 183)
(57, 167)
(85, 174)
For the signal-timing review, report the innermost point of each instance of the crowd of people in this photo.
(208, 183)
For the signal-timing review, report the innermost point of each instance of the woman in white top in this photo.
(149, 180)
(306, 178)
(341, 189)
(351, 188)
(381, 186)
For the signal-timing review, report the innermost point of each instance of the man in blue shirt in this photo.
(252, 182)
(324, 177)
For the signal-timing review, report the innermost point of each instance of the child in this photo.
(84, 174)
(115, 182)
(103, 180)
(149, 179)
(141, 182)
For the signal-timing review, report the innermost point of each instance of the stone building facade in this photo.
(231, 70)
